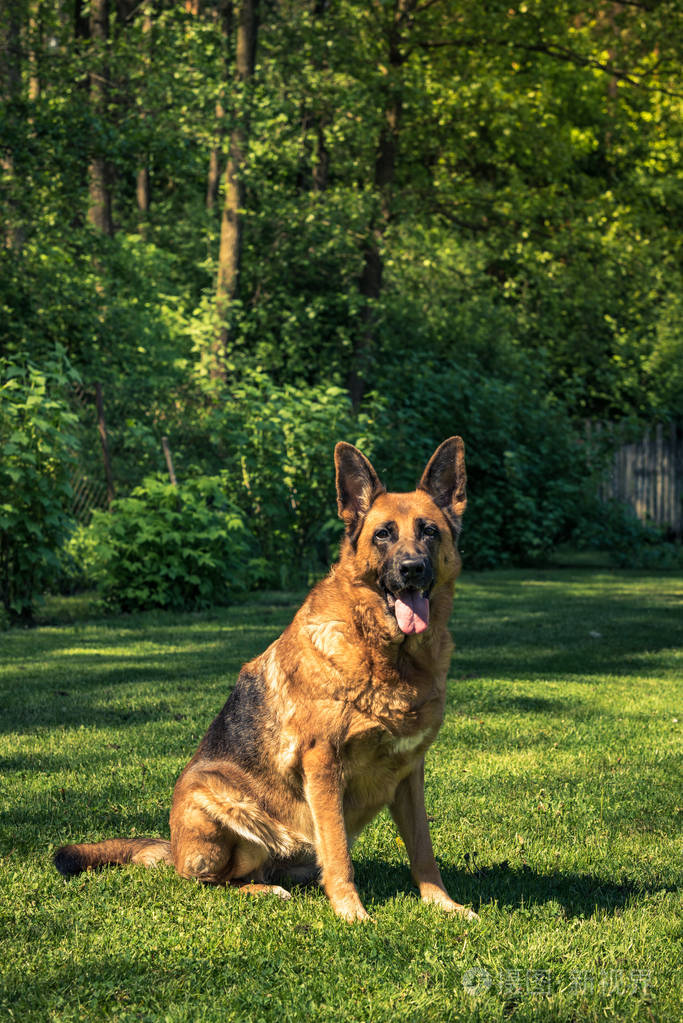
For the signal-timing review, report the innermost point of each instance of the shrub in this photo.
(614, 527)
(277, 445)
(528, 473)
(38, 446)
(77, 562)
(528, 468)
(171, 547)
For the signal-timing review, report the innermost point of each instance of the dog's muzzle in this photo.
(407, 587)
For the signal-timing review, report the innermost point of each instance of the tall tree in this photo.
(386, 156)
(223, 14)
(232, 219)
(99, 174)
(142, 178)
(11, 18)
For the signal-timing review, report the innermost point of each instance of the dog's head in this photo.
(404, 545)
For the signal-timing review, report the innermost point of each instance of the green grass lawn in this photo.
(554, 788)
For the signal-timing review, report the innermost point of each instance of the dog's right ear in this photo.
(357, 485)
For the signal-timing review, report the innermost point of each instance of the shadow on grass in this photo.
(517, 630)
(512, 887)
(64, 710)
(62, 679)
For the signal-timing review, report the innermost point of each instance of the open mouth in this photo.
(411, 608)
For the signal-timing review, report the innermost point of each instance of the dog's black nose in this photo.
(415, 572)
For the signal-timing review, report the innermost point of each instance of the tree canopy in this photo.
(386, 198)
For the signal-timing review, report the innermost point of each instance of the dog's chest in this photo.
(373, 765)
(386, 743)
(375, 744)
(407, 743)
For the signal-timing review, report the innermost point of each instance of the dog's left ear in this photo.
(445, 480)
(357, 485)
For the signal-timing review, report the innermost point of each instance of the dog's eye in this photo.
(382, 533)
(430, 530)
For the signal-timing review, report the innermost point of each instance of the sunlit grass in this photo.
(554, 789)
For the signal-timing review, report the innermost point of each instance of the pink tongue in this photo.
(412, 612)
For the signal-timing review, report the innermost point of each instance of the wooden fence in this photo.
(648, 475)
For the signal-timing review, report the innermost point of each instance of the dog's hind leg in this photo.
(256, 888)
(220, 836)
(227, 859)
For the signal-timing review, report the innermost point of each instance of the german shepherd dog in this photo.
(331, 723)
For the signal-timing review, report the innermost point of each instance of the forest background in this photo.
(258, 228)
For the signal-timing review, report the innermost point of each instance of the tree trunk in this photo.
(35, 50)
(99, 211)
(224, 15)
(10, 91)
(370, 281)
(142, 181)
(142, 192)
(214, 174)
(229, 257)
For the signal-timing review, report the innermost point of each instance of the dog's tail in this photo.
(72, 859)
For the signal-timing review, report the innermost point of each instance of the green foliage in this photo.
(526, 173)
(38, 444)
(115, 307)
(171, 547)
(531, 476)
(528, 467)
(527, 470)
(77, 561)
(276, 444)
(514, 169)
(614, 527)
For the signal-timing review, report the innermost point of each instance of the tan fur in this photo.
(333, 720)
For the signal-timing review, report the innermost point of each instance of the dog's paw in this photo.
(265, 889)
(465, 911)
(281, 893)
(439, 898)
(350, 908)
(455, 907)
(352, 914)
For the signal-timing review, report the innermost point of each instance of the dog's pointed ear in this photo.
(445, 480)
(357, 485)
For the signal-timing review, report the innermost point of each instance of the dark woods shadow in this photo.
(513, 887)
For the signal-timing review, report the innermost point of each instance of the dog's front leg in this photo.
(322, 785)
(408, 811)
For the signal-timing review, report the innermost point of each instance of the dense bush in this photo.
(38, 444)
(613, 526)
(77, 558)
(276, 444)
(527, 468)
(171, 547)
(269, 517)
